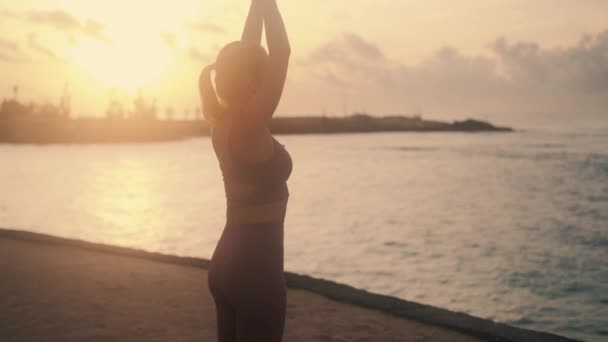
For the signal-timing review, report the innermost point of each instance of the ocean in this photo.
(511, 227)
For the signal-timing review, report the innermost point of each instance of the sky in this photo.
(502, 60)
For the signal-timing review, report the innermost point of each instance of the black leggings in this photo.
(247, 283)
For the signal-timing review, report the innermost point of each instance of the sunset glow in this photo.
(383, 56)
(222, 170)
(123, 65)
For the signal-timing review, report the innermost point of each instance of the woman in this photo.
(246, 270)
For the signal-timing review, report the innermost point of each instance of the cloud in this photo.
(169, 39)
(10, 51)
(8, 45)
(94, 29)
(61, 21)
(349, 49)
(197, 56)
(519, 76)
(34, 44)
(205, 26)
(8, 14)
(4, 57)
(517, 66)
(349, 60)
(363, 48)
(582, 67)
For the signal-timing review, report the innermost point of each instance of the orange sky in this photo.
(446, 59)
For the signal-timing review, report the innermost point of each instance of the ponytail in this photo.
(212, 109)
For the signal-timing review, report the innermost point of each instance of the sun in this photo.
(127, 62)
(133, 52)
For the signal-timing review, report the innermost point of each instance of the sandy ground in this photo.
(60, 293)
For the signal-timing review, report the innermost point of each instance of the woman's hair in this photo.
(239, 65)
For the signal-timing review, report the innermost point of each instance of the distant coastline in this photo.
(32, 123)
(64, 130)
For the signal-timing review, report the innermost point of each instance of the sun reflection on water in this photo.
(128, 210)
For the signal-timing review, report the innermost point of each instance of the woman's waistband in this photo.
(256, 213)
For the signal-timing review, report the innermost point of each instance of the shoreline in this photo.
(432, 316)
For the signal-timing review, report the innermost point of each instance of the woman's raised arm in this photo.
(266, 100)
(254, 24)
(276, 34)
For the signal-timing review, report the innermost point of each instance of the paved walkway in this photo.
(52, 292)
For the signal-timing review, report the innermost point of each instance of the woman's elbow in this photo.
(284, 49)
(287, 47)
(285, 52)
(280, 57)
(288, 51)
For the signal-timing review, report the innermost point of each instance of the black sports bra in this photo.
(250, 184)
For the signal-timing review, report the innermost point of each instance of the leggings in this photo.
(247, 283)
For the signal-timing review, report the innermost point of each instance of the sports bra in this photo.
(257, 183)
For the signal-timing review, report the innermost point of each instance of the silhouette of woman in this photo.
(246, 271)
